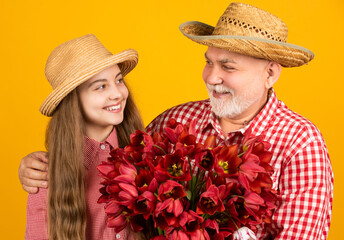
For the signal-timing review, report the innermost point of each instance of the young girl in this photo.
(92, 112)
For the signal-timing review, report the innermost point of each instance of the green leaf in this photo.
(188, 194)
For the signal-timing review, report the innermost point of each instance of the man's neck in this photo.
(230, 125)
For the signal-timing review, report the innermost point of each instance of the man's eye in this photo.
(228, 67)
(207, 62)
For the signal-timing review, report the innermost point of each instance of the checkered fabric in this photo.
(303, 174)
(36, 220)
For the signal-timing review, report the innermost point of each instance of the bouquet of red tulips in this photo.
(168, 186)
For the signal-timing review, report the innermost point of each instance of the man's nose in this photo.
(214, 76)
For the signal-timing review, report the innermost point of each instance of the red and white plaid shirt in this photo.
(96, 229)
(303, 174)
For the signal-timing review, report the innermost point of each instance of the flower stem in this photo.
(160, 231)
(233, 222)
(160, 148)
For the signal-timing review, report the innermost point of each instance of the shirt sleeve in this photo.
(156, 125)
(306, 188)
(36, 216)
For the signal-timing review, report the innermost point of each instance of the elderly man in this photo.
(246, 51)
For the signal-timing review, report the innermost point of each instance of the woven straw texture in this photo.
(77, 60)
(251, 31)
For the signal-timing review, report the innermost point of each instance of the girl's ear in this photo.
(273, 70)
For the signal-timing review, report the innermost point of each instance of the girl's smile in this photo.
(113, 108)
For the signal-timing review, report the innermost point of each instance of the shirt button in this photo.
(118, 236)
(102, 146)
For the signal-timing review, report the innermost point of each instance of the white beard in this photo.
(232, 107)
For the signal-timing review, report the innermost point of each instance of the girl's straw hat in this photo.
(251, 31)
(76, 61)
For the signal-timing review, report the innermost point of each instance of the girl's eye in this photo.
(100, 87)
(119, 81)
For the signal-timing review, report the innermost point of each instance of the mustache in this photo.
(219, 88)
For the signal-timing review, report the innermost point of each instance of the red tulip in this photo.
(110, 169)
(205, 159)
(164, 216)
(171, 189)
(210, 142)
(227, 160)
(175, 166)
(199, 234)
(173, 134)
(190, 222)
(140, 138)
(250, 166)
(113, 208)
(118, 223)
(143, 180)
(127, 174)
(145, 204)
(105, 169)
(128, 194)
(211, 224)
(253, 200)
(263, 181)
(173, 233)
(210, 202)
(172, 206)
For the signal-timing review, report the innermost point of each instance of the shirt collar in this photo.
(209, 119)
(263, 118)
(92, 147)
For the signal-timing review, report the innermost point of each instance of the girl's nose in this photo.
(114, 92)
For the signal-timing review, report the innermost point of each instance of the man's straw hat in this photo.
(251, 31)
(76, 61)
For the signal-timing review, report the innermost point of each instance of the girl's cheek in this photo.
(125, 92)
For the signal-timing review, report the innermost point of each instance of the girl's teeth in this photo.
(113, 108)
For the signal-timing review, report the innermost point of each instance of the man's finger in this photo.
(34, 164)
(30, 183)
(31, 190)
(31, 175)
(42, 156)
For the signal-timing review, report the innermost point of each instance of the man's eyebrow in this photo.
(205, 55)
(226, 60)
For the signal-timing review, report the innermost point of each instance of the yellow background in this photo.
(169, 71)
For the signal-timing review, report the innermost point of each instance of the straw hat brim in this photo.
(126, 61)
(286, 54)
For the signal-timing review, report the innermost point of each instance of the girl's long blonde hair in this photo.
(65, 145)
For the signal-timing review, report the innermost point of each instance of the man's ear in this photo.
(273, 70)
